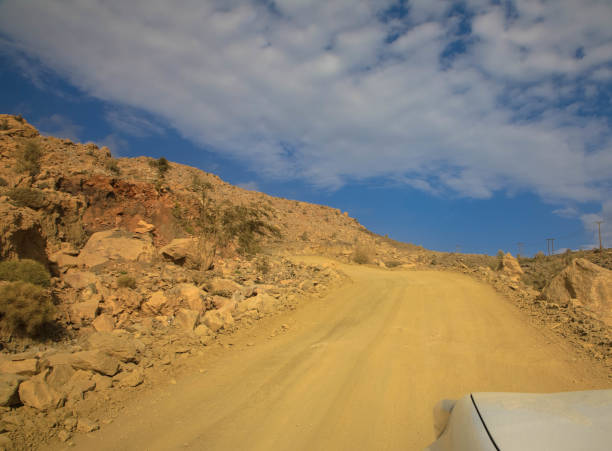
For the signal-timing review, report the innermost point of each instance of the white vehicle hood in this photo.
(557, 421)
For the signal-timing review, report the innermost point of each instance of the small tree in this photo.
(24, 308)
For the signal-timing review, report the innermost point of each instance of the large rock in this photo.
(262, 303)
(186, 319)
(224, 285)
(84, 312)
(157, 304)
(9, 385)
(38, 394)
(80, 279)
(189, 296)
(120, 346)
(23, 367)
(104, 323)
(217, 319)
(124, 300)
(189, 252)
(116, 245)
(97, 361)
(588, 283)
(510, 267)
(60, 375)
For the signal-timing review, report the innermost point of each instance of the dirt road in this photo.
(358, 370)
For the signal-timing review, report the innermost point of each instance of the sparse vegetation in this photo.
(161, 165)
(362, 254)
(125, 281)
(24, 308)
(112, 165)
(25, 271)
(262, 265)
(28, 158)
(4, 124)
(304, 236)
(392, 263)
(3, 182)
(27, 197)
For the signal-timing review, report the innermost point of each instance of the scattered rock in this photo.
(102, 382)
(87, 425)
(183, 252)
(64, 436)
(6, 443)
(80, 382)
(189, 296)
(60, 375)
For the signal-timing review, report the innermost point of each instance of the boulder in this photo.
(588, 283)
(23, 367)
(202, 331)
(186, 319)
(80, 383)
(104, 323)
(102, 382)
(510, 267)
(116, 245)
(187, 295)
(217, 319)
(60, 375)
(80, 279)
(38, 394)
(97, 361)
(144, 227)
(224, 285)
(84, 312)
(9, 386)
(130, 379)
(157, 304)
(121, 347)
(262, 303)
(190, 252)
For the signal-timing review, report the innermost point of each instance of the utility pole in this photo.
(599, 230)
(520, 249)
(550, 245)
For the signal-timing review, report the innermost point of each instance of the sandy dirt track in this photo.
(358, 370)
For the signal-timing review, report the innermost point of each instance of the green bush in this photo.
(25, 271)
(162, 166)
(27, 197)
(24, 308)
(125, 281)
(112, 166)
(4, 124)
(28, 158)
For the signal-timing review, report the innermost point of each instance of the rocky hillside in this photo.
(114, 269)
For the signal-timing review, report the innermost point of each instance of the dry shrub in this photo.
(25, 271)
(24, 308)
(28, 158)
(362, 254)
(125, 281)
(27, 197)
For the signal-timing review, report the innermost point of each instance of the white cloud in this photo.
(251, 186)
(132, 123)
(60, 126)
(313, 90)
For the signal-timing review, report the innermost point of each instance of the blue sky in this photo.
(476, 124)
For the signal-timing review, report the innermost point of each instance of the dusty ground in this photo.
(359, 369)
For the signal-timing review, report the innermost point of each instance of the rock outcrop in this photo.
(586, 282)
